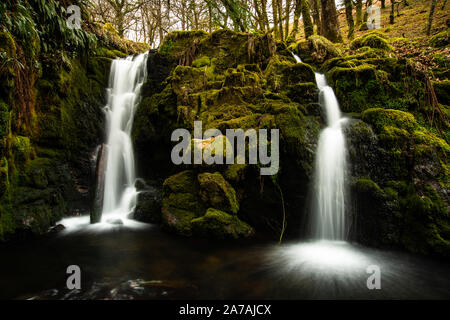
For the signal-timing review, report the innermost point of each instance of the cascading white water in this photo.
(328, 220)
(126, 79)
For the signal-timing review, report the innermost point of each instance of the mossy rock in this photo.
(235, 173)
(187, 80)
(357, 86)
(427, 224)
(442, 90)
(4, 119)
(366, 185)
(176, 42)
(221, 225)
(148, 205)
(380, 118)
(4, 177)
(316, 49)
(216, 192)
(281, 73)
(22, 149)
(373, 39)
(440, 39)
(111, 53)
(180, 202)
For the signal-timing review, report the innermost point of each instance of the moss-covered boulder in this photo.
(440, 39)
(372, 39)
(355, 86)
(216, 192)
(400, 183)
(442, 90)
(180, 202)
(148, 205)
(282, 73)
(381, 118)
(316, 49)
(221, 225)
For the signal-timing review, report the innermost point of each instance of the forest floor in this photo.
(407, 35)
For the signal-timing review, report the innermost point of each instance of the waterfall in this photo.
(123, 95)
(328, 219)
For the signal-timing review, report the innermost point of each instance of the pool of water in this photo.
(170, 267)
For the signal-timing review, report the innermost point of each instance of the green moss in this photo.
(366, 185)
(22, 149)
(201, 62)
(217, 192)
(178, 220)
(357, 87)
(4, 119)
(221, 225)
(187, 80)
(282, 73)
(442, 90)
(427, 226)
(380, 118)
(373, 40)
(7, 225)
(176, 42)
(180, 202)
(7, 44)
(235, 172)
(316, 49)
(4, 177)
(182, 182)
(440, 39)
(423, 136)
(111, 53)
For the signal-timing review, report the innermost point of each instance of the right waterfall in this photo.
(328, 220)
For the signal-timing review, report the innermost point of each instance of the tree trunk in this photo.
(391, 16)
(349, 16)
(288, 9)
(280, 18)
(307, 23)
(430, 17)
(358, 6)
(275, 18)
(330, 23)
(297, 13)
(316, 15)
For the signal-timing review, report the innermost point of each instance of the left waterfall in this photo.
(117, 193)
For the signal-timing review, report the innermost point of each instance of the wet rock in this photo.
(221, 225)
(56, 229)
(148, 206)
(136, 289)
(216, 192)
(180, 203)
(115, 221)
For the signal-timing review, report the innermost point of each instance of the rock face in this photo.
(221, 225)
(148, 208)
(216, 192)
(398, 163)
(228, 80)
(185, 199)
(51, 120)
